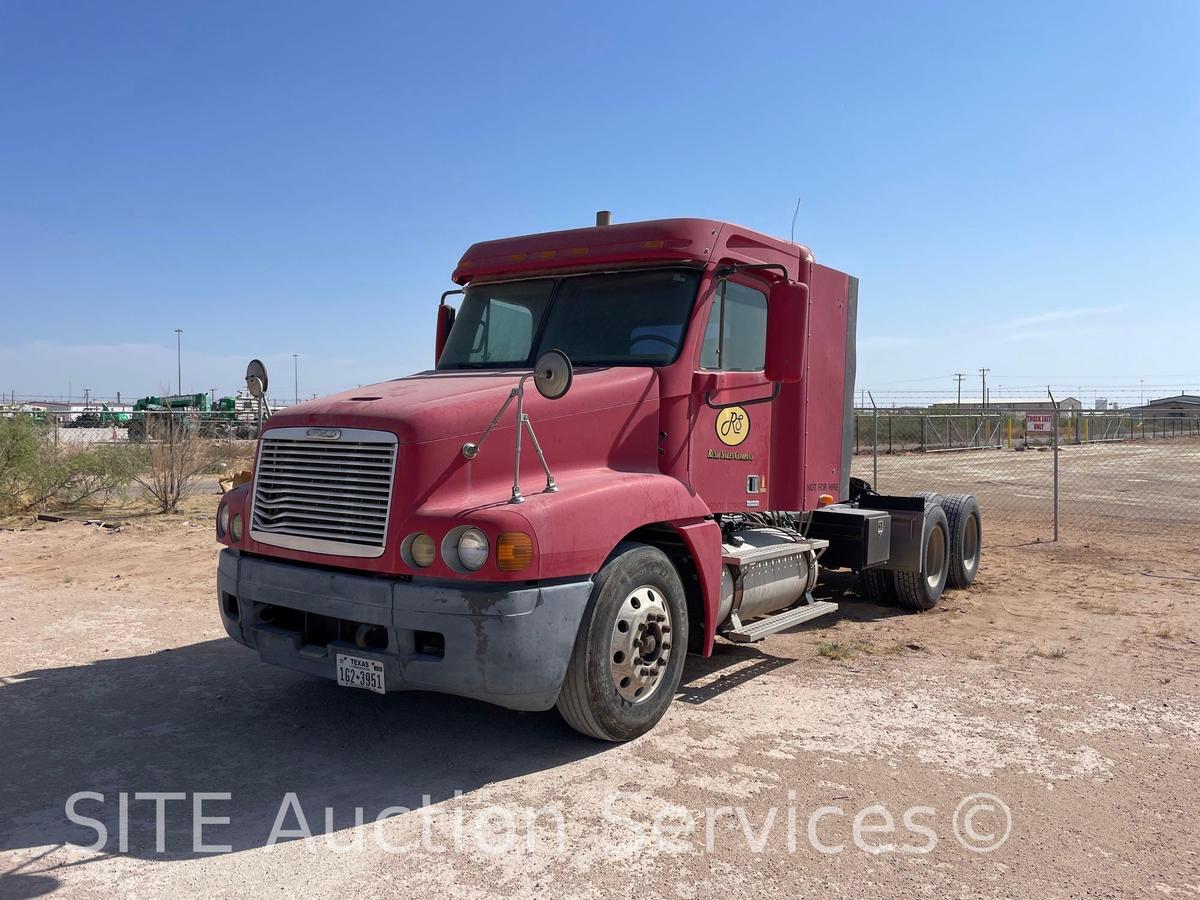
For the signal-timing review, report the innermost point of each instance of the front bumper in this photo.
(505, 645)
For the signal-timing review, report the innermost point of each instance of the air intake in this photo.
(324, 490)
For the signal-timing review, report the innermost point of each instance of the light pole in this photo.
(179, 360)
(296, 376)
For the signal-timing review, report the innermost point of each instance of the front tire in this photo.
(629, 653)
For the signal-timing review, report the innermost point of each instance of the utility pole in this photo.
(296, 376)
(212, 394)
(983, 374)
(959, 376)
(179, 360)
(86, 393)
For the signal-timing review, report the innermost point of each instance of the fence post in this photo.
(875, 445)
(1055, 452)
(922, 432)
(875, 454)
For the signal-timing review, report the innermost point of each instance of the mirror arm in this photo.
(471, 449)
(774, 393)
(445, 294)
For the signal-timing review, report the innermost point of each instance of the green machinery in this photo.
(183, 411)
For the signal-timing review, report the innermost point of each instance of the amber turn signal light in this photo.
(826, 500)
(514, 551)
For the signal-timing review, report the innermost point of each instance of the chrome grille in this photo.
(324, 494)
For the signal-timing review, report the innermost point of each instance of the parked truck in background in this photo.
(680, 474)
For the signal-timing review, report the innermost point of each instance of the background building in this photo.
(1010, 404)
(1177, 406)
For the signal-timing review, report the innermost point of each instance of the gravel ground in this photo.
(1065, 684)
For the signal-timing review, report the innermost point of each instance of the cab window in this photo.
(735, 338)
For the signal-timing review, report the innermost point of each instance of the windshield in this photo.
(612, 319)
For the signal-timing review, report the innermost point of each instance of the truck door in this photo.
(731, 424)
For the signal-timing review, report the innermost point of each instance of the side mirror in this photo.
(445, 321)
(256, 378)
(787, 331)
(553, 374)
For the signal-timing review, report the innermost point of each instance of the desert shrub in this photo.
(36, 473)
(167, 468)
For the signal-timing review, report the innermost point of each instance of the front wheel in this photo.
(629, 653)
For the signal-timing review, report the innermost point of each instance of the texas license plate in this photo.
(358, 672)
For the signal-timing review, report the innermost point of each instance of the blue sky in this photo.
(1016, 184)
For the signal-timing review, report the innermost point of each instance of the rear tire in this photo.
(922, 590)
(879, 586)
(966, 538)
(931, 498)
(630, 650)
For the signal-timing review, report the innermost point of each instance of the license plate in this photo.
(357, 672)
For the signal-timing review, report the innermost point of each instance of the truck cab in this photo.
(675, 472)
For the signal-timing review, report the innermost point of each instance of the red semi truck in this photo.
(680, 473)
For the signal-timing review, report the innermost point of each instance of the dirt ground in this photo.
(1147, 488)
(1065, 684)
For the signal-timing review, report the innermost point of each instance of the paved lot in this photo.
(1065, 683)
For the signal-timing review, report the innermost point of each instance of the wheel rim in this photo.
(935, 557)
(970, 548)
(641, 644)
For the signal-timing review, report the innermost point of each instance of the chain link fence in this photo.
(49, 465)
(1044, 473)
(140, 427)
(1039, 474)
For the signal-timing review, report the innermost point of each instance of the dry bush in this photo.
(167, 468)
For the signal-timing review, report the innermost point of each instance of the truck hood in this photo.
(436, 405)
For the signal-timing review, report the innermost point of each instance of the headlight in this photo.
(472, 549)
(222, 520)
(419, 550)
(235, 528)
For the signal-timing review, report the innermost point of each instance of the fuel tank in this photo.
(765, 570)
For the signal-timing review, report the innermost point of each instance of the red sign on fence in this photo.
(1039, 422)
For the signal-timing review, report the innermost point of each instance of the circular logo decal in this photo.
(733, 426)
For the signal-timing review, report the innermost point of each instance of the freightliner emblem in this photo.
(325, 434)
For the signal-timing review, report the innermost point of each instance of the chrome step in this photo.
(756, 631)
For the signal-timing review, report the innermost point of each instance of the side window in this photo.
(735, 338)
